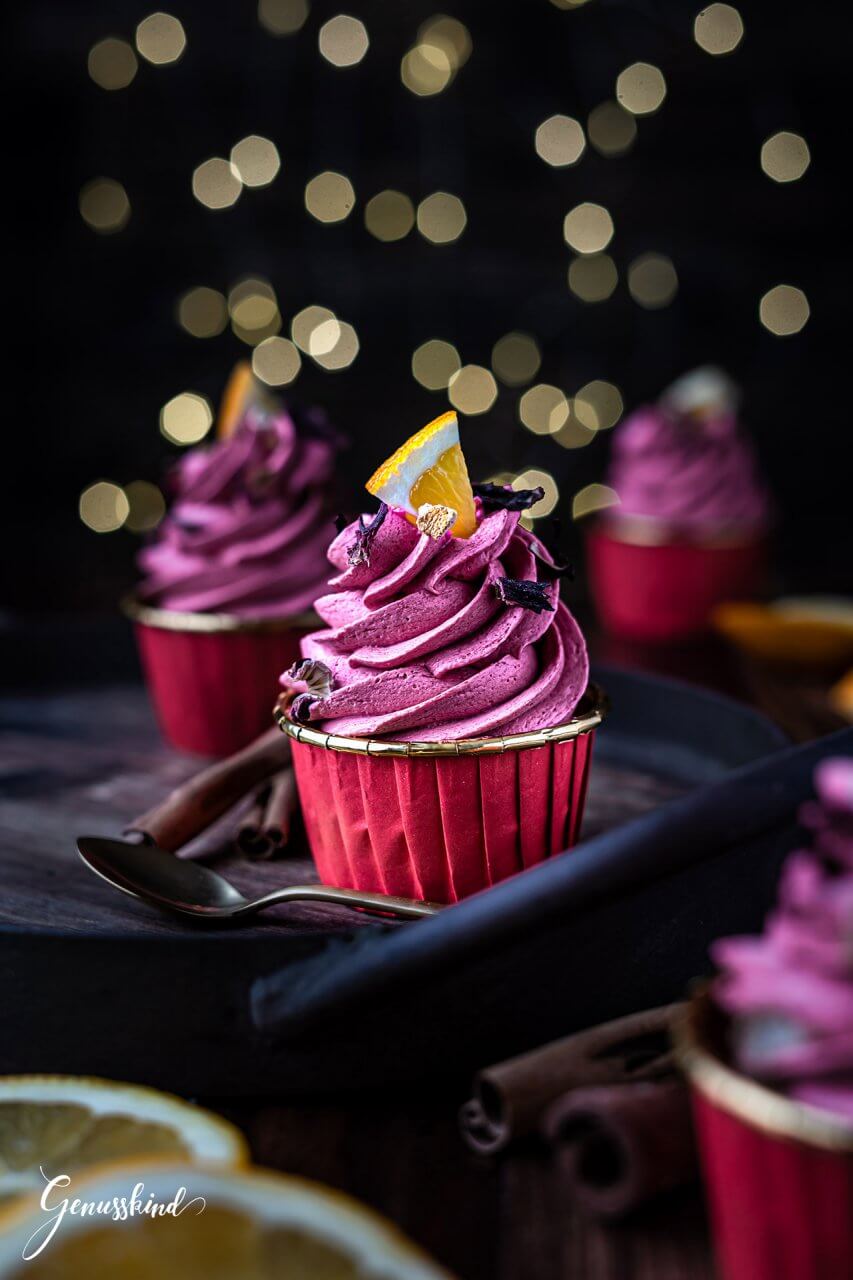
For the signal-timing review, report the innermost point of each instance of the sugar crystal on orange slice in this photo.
(429, 467)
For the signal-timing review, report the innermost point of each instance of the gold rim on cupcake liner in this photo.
(593, 708)
(178, 620)
(746, 1099)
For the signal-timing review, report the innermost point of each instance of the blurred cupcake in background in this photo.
(769, 1052)
(691, 526)
(232, 572)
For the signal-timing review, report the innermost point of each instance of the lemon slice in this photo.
(63, 1123)
(429, 468)
(242, 392)
(234, 1226)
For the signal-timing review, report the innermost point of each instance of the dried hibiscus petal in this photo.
(525, 592)
(359, 551)
(500, 497)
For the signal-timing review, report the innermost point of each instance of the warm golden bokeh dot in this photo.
(593, 278)
(315, 330)
(448, 34)
(330, 197)
(282, 17)
(215, 184)
(104, 205)
(611, 129)
(785, 156)
(559, 141)
(202, 312)
(640, 88)
(276, 361)
(472, 389)
(186, 418)
(718, 29)
(146, 506)
(254, 311)
(516, 359)
(598, 405)
(343, 349)
(112, 63)
(593, 497)
(573, 434)
(426, 70)
(389, 215)
(652, 280)
(160, 38)
(544, 410)
(256, 160)
(441, 218)
(103, 507)
(535, 479)
(343, 40)
(784, 310)
(434, 363)
(588, 228)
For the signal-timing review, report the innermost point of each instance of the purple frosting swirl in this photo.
(684, 465)
(790, 991)
(424, 640)
(249, 523)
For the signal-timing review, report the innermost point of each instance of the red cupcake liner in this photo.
(669, 590)
(213, 689)
(778, 1175)
(440, 821)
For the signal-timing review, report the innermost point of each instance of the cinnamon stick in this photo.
(197, 803)
(280, 809)
(251, 838)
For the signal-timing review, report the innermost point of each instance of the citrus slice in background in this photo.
(64, 1123)
(233, 1226)
(243, 391)
(429, 467)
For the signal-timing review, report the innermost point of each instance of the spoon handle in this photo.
(383, 904)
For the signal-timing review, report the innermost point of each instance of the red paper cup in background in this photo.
(668, 590)
(778, 1174)
(441, 820)
(214, 678)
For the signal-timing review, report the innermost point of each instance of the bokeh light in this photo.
(559, 141)
(593, 497)
(441, 218)
(434, 363)
(216, 184)
(112, 63)
(426, 69)
(276, 361)
(282, 17)
(186, 418)
(593, 278)
(516, 359)
(472, 389)
(598, 405)
(784, 310)
(611, 129)
(202, 312)
(146, 506)
(344, 347)
(785, 156)
(315, 330)
(574, 434)
(588, 228)
(640, 88)
(718, 29)
(256, 160)
(343, 40)
(534, 479)
(389, 215)
(652, 280)
(160, 39)
(330, 197)
(104, 205)
(448, 34)
(103, 507)
(543, 409)
(253, 308)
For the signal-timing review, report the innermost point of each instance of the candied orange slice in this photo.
(429, 467)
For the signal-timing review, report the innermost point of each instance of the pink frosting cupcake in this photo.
(691, 524)
(441, 731)
(231, 574)
(770, 1056)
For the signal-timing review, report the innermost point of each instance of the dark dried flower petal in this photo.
(341, 522)
(561, 567)
(499, 497)
(315, 676)
(300, 708)
(524, 591)
(359, 552)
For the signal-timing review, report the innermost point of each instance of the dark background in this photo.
(101, 351)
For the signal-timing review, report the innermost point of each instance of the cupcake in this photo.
(441, 721)
(770, 1056)
(690, 528)
(231, 574)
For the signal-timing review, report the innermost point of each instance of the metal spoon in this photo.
(144, 871)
